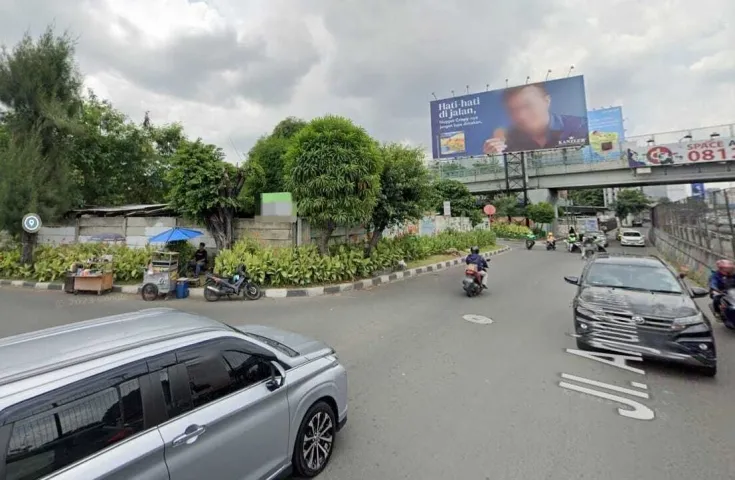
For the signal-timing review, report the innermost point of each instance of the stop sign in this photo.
(489, 210)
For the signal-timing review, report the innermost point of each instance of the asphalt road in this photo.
(434, 396)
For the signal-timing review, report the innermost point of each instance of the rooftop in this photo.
(47, 350)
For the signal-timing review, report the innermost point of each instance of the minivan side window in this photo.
(72, 427)
(219, 369)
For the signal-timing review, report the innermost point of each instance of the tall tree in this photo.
(508, 206)
(40, 93)
(461, 202)
(333, 171)
(542, 212)
(588, 197)
(405, 190)
(205, 188)
(630, 201)
(266, 162)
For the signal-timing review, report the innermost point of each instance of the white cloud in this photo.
(231, 70)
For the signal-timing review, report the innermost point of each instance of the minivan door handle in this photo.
(189, 436)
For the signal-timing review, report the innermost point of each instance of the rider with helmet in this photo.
(721, 280)
(588, 243)
(475, 258)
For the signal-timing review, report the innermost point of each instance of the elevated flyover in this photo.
(557, 171)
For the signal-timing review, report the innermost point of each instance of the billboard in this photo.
(698, 190)
(606, 134)
(536, 116)
(684, 153)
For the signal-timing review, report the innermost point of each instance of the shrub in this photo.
(504, 230)
(304, 265)
(51, 263)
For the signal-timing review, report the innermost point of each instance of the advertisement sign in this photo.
(447, 209)
(685, 153)
(606, 134)
(698, 190)
(536, 116)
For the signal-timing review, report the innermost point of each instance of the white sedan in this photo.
(632, 238)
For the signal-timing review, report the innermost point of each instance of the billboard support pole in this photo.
(525, 186)
(507, 174)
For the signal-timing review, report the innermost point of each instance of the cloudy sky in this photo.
(230, 70)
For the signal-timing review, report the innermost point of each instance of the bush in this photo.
(51, 263)
(279, 267)
(504, 230)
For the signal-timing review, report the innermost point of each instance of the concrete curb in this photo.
(286, 292)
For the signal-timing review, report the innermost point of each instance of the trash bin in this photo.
(182, 288)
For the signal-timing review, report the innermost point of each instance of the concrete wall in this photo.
(273, 231)
(137, 230)
(682, 253)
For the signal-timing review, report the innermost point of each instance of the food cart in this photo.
(94, 275)
(159, 278)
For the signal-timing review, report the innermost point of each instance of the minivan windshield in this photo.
(634, 277)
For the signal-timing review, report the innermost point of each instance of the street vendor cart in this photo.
(94, 275)
(159, 278)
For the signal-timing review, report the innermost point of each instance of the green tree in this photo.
(542, 212)
(205, 188)
(40, 95)
(507, 205)
(461, 202)
(266, 161)
(333, 171)
(589, 197)
(630, 201)
(405, 190)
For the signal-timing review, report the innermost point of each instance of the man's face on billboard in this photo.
(529, 110)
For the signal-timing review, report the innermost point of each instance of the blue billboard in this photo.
(698, 190)
(606, 134)
(537, 116)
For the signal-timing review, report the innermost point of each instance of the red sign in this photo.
(714, 150)
(489, 210)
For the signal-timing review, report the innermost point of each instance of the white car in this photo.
(632, 238)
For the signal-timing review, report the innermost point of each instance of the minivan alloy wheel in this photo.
(318, 439)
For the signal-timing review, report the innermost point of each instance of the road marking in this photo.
(638, 412)
(611, 359)
(479, 319)
(614, 388)
(639, 385)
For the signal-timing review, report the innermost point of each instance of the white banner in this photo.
(684, 153)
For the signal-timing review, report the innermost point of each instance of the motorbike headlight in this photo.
(684, 322)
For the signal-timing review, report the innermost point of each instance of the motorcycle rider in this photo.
(550, 238)
(721, 280)
(588, 243)
(475, 258)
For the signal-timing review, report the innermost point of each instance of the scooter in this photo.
(216, 287)
(551, 245)
(472, 282)
(727, 309)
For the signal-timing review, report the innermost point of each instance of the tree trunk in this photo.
(29, 243)
(326, 234)
(374, 240)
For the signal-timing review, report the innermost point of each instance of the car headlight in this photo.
(684, 322)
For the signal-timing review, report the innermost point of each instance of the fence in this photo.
(696, 231)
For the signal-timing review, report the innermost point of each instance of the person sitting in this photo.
(550, 238)
(476, 259)
(721, 280)
(199, 263)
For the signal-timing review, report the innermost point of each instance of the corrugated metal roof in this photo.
(124, 210)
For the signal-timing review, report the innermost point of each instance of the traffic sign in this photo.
(31, 223)
(489, 210)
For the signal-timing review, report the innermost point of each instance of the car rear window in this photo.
(631, 234)
(638, 277)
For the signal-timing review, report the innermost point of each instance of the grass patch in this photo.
(443, 258)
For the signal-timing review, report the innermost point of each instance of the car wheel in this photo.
(315, 441)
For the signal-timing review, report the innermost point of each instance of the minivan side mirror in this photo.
(572, 280)
(278, 377)
(699, 292)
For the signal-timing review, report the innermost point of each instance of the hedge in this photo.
(303, 265)
(268, 266)
(511, 231)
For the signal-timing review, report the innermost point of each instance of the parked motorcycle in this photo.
(727, 309)
(472, 281)
(530, 241)
(216, 287)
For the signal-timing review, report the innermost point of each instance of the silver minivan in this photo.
(165, 395)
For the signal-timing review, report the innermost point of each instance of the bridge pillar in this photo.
(554, 200)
